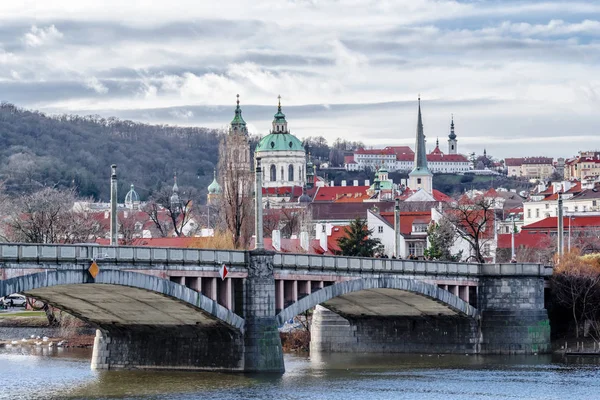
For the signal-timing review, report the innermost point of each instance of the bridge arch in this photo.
(90, 299)
(434, 295)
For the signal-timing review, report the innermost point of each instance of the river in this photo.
(36, 373)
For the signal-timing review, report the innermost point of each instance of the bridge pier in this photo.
(513, 317)
(263, 351)
(187, 348)
(448, 334)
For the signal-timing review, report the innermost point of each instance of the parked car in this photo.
(14, 300)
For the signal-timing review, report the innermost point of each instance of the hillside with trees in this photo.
(70, 151)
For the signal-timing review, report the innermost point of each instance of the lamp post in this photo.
(560, 226)
(513, 256)
(570, 218)
(113, 206)
(259, 245)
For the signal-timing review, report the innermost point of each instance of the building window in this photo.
(273, 173)
(594, 203)
(291, 173)
(418, 181)
(486, 250)
(415, 249)
(380, 229)
(576, 208)
(537, 212)
(547, 206)
(529, 213)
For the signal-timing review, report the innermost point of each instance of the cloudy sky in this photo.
(521, 77)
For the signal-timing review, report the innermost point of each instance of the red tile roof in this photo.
(333, 193)
(337, 232)
(180, 242)
(441, 157)
(293, 191)
(577, 221)
(513, 162)
(406, 219)
(437, 195)
(523, 239)
(290, 246)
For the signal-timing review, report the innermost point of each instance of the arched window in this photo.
(291, 173)
(282, 175)
(273, 173)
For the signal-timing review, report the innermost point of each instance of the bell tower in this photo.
(452, 142)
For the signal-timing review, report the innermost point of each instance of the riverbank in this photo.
(29, 328)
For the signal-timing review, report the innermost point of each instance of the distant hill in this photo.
(72, 151)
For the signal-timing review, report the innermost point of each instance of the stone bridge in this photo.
(169, 309)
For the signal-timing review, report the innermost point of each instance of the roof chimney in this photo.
(323, 241)
(304, 240)
(276, 240)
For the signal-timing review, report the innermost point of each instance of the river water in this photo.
(36, 373)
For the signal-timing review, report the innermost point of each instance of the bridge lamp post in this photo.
(113, 206)
(570, 219)
(397, 229)
(258, 214)
(560, 226)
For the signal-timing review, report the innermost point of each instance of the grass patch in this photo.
(35, 314)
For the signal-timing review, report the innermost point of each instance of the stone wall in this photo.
(513, 317)
(183, 348)
(263, 351)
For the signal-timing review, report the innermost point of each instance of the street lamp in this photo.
(570, 218)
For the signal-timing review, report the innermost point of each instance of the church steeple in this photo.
(238, 125)
(175, 200)
(452, 142)
(279, 122)
(420, 150)
(420, 177)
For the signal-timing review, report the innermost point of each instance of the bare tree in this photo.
(47, 216)
(473, 218)
(236, 202)
(576, 285)
(169, 214)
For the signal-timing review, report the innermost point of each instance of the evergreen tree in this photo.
(441, 237)
(357, 242)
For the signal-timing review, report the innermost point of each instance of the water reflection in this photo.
(65, 374)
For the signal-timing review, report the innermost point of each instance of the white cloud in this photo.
(182, 114)
(37, 37)
(97, 86)
(532, 57)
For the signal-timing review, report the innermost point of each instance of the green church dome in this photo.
(214, 187)
(279, 142)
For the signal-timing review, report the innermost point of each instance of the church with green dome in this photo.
(282, 154)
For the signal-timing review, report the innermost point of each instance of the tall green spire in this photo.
(452, 135)
(238, 125)
(420, 150)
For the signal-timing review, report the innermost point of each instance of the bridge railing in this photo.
(349, 264)
(53, 253)
(387, 265)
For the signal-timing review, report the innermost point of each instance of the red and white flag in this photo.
(223, 272)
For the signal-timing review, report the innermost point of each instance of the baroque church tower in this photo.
(452, 142)
(234, 157)
(420, 177)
